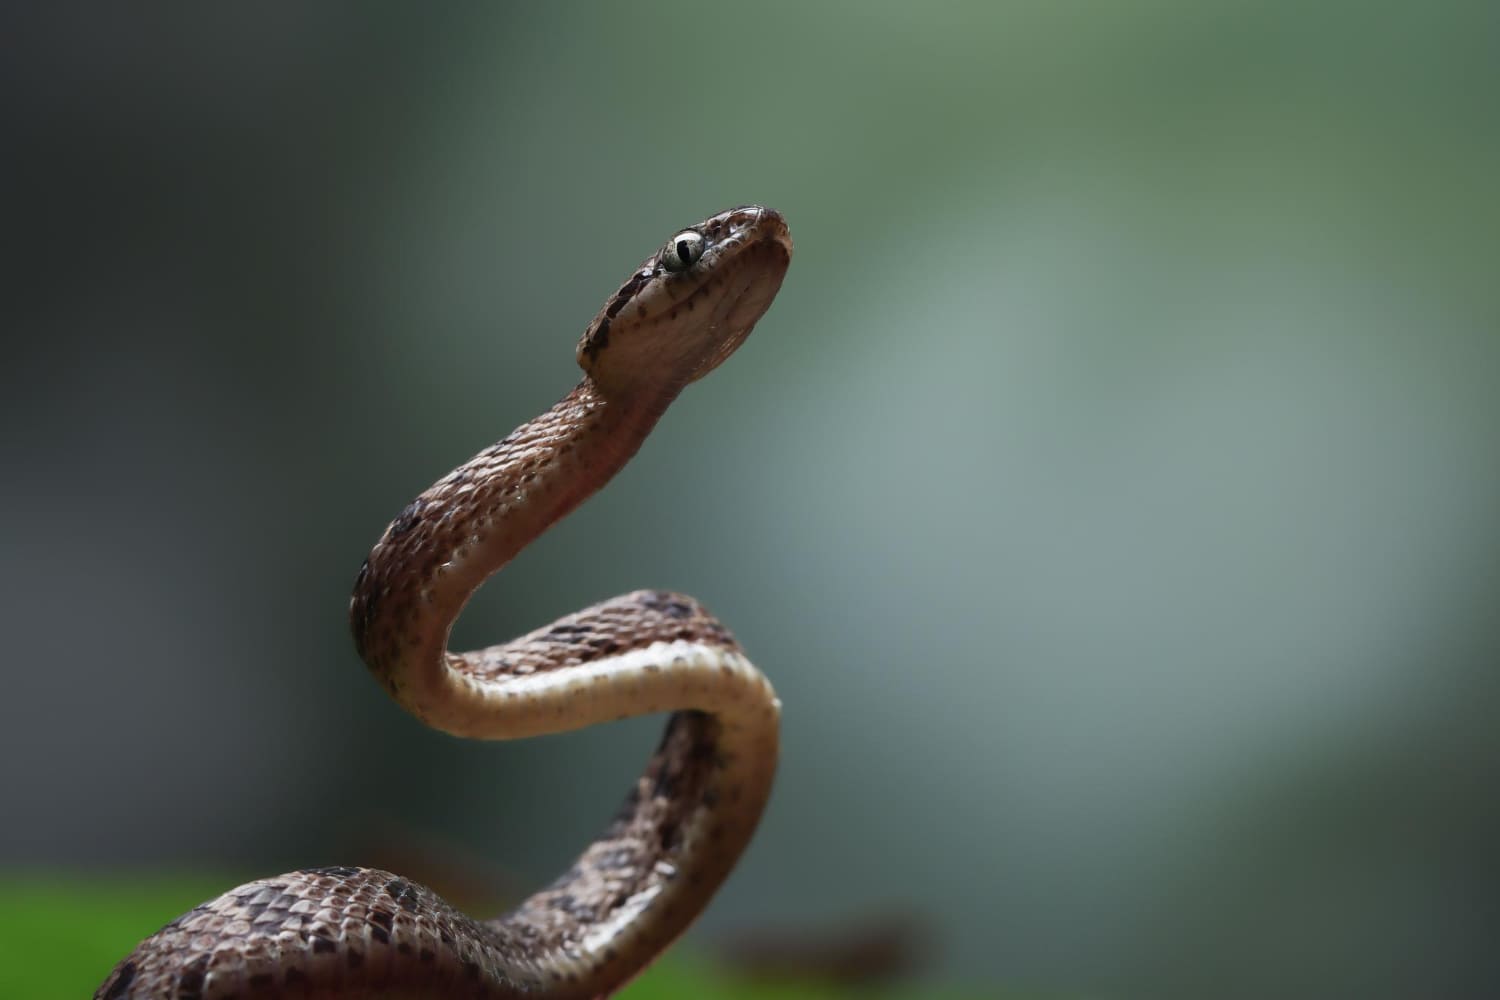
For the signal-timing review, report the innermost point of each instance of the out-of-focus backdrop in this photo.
(1111, 493)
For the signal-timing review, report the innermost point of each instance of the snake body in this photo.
(359, 932)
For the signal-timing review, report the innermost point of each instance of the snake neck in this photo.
(474, 520)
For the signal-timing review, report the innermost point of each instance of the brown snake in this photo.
(358, 932)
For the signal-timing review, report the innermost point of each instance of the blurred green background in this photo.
(1111, 493)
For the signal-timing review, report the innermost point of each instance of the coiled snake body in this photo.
(358, 932)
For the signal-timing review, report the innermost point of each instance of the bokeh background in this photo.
(1111, 494)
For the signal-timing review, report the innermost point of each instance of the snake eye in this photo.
(682, 251)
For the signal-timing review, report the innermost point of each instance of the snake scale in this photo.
(358, 932)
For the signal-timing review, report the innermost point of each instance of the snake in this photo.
(337, 932)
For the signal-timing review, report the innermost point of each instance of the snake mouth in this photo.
(753, 258)
(764, 270)
(749, 229)
(749, 285)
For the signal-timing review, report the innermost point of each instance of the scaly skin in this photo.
(357, 932)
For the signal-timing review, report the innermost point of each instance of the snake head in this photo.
(690, 304)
